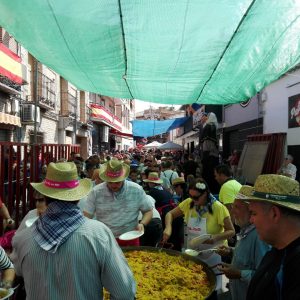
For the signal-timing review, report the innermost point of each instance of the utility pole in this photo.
(34, 146)
(36, 78)
(75, 121)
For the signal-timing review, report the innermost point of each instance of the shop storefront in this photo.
(103, 122)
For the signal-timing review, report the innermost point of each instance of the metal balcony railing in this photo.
(5, 81)
(72, 105)
(47, 92)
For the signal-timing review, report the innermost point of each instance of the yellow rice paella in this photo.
(162, 276)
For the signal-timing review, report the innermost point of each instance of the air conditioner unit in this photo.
(28, 113)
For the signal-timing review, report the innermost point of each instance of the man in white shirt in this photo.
(117, 202)
(287, 168)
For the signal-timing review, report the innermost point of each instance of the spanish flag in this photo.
(10, 65)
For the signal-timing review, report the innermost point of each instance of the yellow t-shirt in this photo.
(214, 222)
(229, 191)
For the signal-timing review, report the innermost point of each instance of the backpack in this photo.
(170, 179)
(163, 210)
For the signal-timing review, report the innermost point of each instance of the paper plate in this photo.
(29, 222)
(10, 292)
(199, 240)
(191, 252)
(131, 235)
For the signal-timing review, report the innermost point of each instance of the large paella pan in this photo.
(169, 274)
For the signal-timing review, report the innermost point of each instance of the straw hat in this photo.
(276, 189)
(245, 192)
(178, 180)
(153, 177)
(62, 183)
(114, 171)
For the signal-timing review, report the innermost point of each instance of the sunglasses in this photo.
(196, 197)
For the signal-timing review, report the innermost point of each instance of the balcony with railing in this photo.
(9, 85)
(72, 105)
(46, 92)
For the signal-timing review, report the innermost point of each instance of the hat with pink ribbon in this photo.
(62, 183)
(114, 171)
(154, 178)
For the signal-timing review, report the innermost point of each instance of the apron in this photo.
(196, 226)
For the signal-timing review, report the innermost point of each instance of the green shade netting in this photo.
(164, 51)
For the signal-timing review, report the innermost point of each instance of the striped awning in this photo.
(101, 114)
(120, 133)
(10, 119)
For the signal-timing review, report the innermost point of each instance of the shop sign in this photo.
(197, 115)
(294, 111)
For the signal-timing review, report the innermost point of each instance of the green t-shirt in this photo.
(214, 222)
(229, 191)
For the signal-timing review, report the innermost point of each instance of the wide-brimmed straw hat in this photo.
(178, 180)
(153, 177)
(114, 171)
(245, 192)
(62, 183)
(276, 189)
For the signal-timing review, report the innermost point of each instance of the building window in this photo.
(47, 92)
(111, 108)
(72, 105)
(39, 137)
(92, 97)
(9, 41)
(102, 101)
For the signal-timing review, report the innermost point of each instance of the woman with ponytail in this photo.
(207, 220)
(203, 214)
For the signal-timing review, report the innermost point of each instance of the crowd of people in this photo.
(71, 250)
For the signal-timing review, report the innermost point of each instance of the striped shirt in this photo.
(31, 214)
(5, 263)
(119, 211)
(88, 261)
